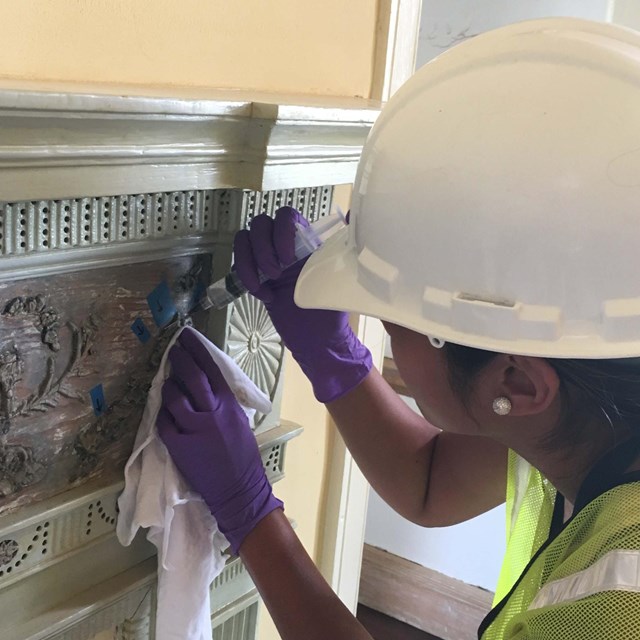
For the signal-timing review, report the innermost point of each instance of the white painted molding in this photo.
(61, 141)
(625, 13)
(344, 523)
(397, 33)
(62, 558)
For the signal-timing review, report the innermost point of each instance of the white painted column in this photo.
(625, 13)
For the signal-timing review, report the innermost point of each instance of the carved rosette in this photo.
(138, 626)
(19, 468)
(8, 551)
(255, 345)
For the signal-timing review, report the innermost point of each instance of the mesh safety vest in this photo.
(574, 581)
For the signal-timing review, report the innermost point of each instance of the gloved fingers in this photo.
(284, 233)
(246, 267)
(214, 379)
(264, 253)
(176, 402)
(167, 429)
(186, 369)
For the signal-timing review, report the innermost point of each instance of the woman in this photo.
(494, 230)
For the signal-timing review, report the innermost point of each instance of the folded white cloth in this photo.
(180, 524)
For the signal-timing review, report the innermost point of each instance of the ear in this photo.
(531, 384)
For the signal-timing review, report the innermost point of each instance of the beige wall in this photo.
(271, 45)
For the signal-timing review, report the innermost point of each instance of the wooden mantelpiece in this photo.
(104, 193)
(133, 139)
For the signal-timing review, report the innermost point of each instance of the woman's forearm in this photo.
(298, 598)
(391, 444)
(429, 477)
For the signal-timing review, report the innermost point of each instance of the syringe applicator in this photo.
(307, 240)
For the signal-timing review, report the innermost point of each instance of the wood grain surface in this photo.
(421, 597)
(62, 335)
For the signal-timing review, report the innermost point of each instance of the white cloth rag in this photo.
(180, 524)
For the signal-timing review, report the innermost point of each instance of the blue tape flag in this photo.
(161, 304)
(141, 331)
(97, 400)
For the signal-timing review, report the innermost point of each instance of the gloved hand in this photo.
(209, 438)
(322, 342)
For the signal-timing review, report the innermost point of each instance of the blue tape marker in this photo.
(161, 304)
(97, 400)
(141, 331)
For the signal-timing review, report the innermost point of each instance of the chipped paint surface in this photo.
(60, 336)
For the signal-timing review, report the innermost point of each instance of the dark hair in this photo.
(606, 389)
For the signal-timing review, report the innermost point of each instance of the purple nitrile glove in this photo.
(209, 438)
(321, 341)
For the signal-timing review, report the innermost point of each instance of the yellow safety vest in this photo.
(574, 581)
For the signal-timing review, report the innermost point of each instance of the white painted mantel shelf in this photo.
(129, 139)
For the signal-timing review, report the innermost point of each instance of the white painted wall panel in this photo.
(447, 22)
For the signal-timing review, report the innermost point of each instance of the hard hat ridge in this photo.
(495, 203)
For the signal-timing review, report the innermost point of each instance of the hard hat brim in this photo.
(329, 280)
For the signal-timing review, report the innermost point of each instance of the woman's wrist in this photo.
(298, 598)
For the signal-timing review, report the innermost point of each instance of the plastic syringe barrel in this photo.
(307, 240)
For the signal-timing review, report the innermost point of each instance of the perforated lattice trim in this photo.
(272, 460)
(26, 549)
(313, 203)
(49, 225)
(36, 545)
(230, 573)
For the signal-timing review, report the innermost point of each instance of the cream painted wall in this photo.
(283, 46)
(626, 13)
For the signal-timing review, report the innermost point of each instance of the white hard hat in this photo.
(497, 200)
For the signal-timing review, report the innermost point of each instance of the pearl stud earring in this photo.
(502, 406)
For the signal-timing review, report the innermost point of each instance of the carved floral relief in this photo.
(52, 386)
(8, 551)
(60, 338)
(19, 468)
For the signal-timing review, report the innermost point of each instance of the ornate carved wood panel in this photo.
(62, 336)
(75, 281)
